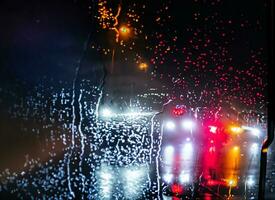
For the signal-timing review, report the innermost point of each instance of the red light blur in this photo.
(177, 189)
(178, 111)
(215, 138)
(212, 182)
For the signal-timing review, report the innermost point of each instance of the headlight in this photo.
(170, 125)
(106, 112)
(188, 124)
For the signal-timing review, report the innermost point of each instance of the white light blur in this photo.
(254, 148)
(106, 112)
(184, 177)
(134, 181)
(250, 181)
(105, 176)
(106, 182)
(135, 114)
(168, 177)
(170, 125)
(133, 174)
(188, 124)
(187, 151)
(213, 129)
(131, 114)
(166, 197)
(254, 131)
(168, 155)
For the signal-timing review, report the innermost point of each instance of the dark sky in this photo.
(205, 39)
(46, 37)
(42, 37)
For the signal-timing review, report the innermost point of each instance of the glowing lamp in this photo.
(143, 66)
(124, 30)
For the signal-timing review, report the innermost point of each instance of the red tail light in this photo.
(178, 111)
(177, 189)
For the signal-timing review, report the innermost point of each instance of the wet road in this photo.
(134, 156)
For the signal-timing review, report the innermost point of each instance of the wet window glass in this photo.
(136, 99)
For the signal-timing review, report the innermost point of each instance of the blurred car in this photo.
(181, 140)
(206, 156)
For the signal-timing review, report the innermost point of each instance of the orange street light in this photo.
(143, 66)
(124, 31)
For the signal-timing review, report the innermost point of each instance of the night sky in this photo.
(213, 44)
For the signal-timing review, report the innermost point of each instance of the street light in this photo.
(124, 31)
(143, 66)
